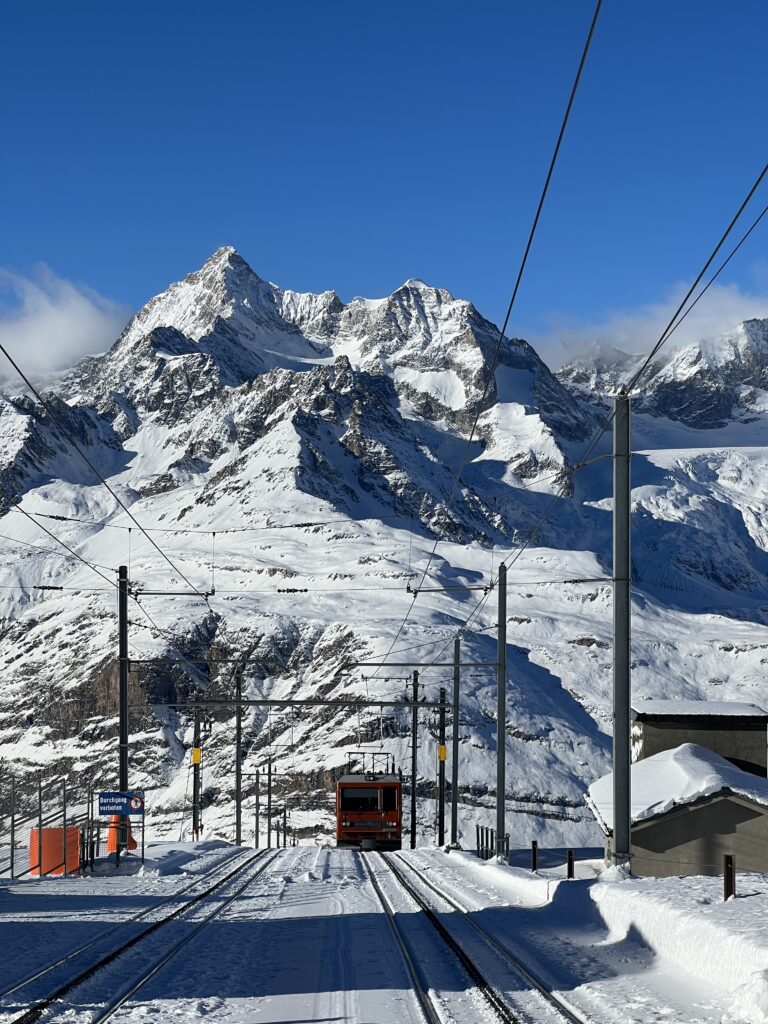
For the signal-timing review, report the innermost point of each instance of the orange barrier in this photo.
(52, 860)
(114, 832)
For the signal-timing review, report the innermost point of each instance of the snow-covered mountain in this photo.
(296, 454)
(705, 385)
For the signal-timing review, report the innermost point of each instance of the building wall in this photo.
(694, 840)
(743, 741)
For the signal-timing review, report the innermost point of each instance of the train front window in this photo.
(389, 798)
(359, 799)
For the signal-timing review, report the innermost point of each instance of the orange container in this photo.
(53, 851)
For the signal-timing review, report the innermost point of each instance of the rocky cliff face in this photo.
(295, 457)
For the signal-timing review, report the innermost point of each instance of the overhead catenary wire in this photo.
(515, 290)
(521, 269)
(299, 525)
(55, 419)
(49, 551)
(64, 544)
(665, 335)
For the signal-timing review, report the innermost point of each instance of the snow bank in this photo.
(699, 708)
(686, 921)
(673, 778)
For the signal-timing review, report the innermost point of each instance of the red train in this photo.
(369, 811)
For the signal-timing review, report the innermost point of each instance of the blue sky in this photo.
(352, 146)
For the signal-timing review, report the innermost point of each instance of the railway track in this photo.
(48, 968)
(497, 998)
(36, 1010)
(423, 997)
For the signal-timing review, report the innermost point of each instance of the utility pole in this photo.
(622, 510)
(441, 771)
(256, 817)
(238, 758)
(269, 802)
(455, 746)
(196, 758)
(122, 653)
(501, 715)
(414, 764)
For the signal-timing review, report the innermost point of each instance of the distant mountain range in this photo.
(318, 441)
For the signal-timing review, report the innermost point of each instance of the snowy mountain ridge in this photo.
(704, 385)
(307, 450)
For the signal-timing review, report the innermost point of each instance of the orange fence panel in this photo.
(52, 860)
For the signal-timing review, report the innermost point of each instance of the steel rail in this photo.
(36, 1010)
(113, 1007)
(570, 1015)
(493, 998)
(42, 971)
(425, 1001)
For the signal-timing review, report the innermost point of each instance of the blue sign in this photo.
(120, 803)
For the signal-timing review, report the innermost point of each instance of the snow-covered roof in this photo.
(697, 708)
(674, 778)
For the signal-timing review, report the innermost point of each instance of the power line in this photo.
(666, 335)
(58, 540)
(306, 524)
(55, 419)
(518, 279)
(48, 551)
(521, 269)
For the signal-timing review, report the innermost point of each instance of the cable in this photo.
(55, 419)
(636, 376)
(301, 525)
(64, 544)
(518, 279)
(521, 269)
(664, 337)
(48, 551)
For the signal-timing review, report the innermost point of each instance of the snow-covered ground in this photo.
(308, 940)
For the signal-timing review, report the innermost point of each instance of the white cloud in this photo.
(49, 322)
(637, 330)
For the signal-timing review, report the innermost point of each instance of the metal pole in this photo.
(122, 644)
(285, 826)
(269, 802)
(501, 715)
(256, 817)
(39, 826)
(414, 750)
(196, 759)
(13, 825)
(64, 821)
(622, 510)
(441, 771)
(729, 877)
(455, 746)
(238, 760)
(90, 828)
